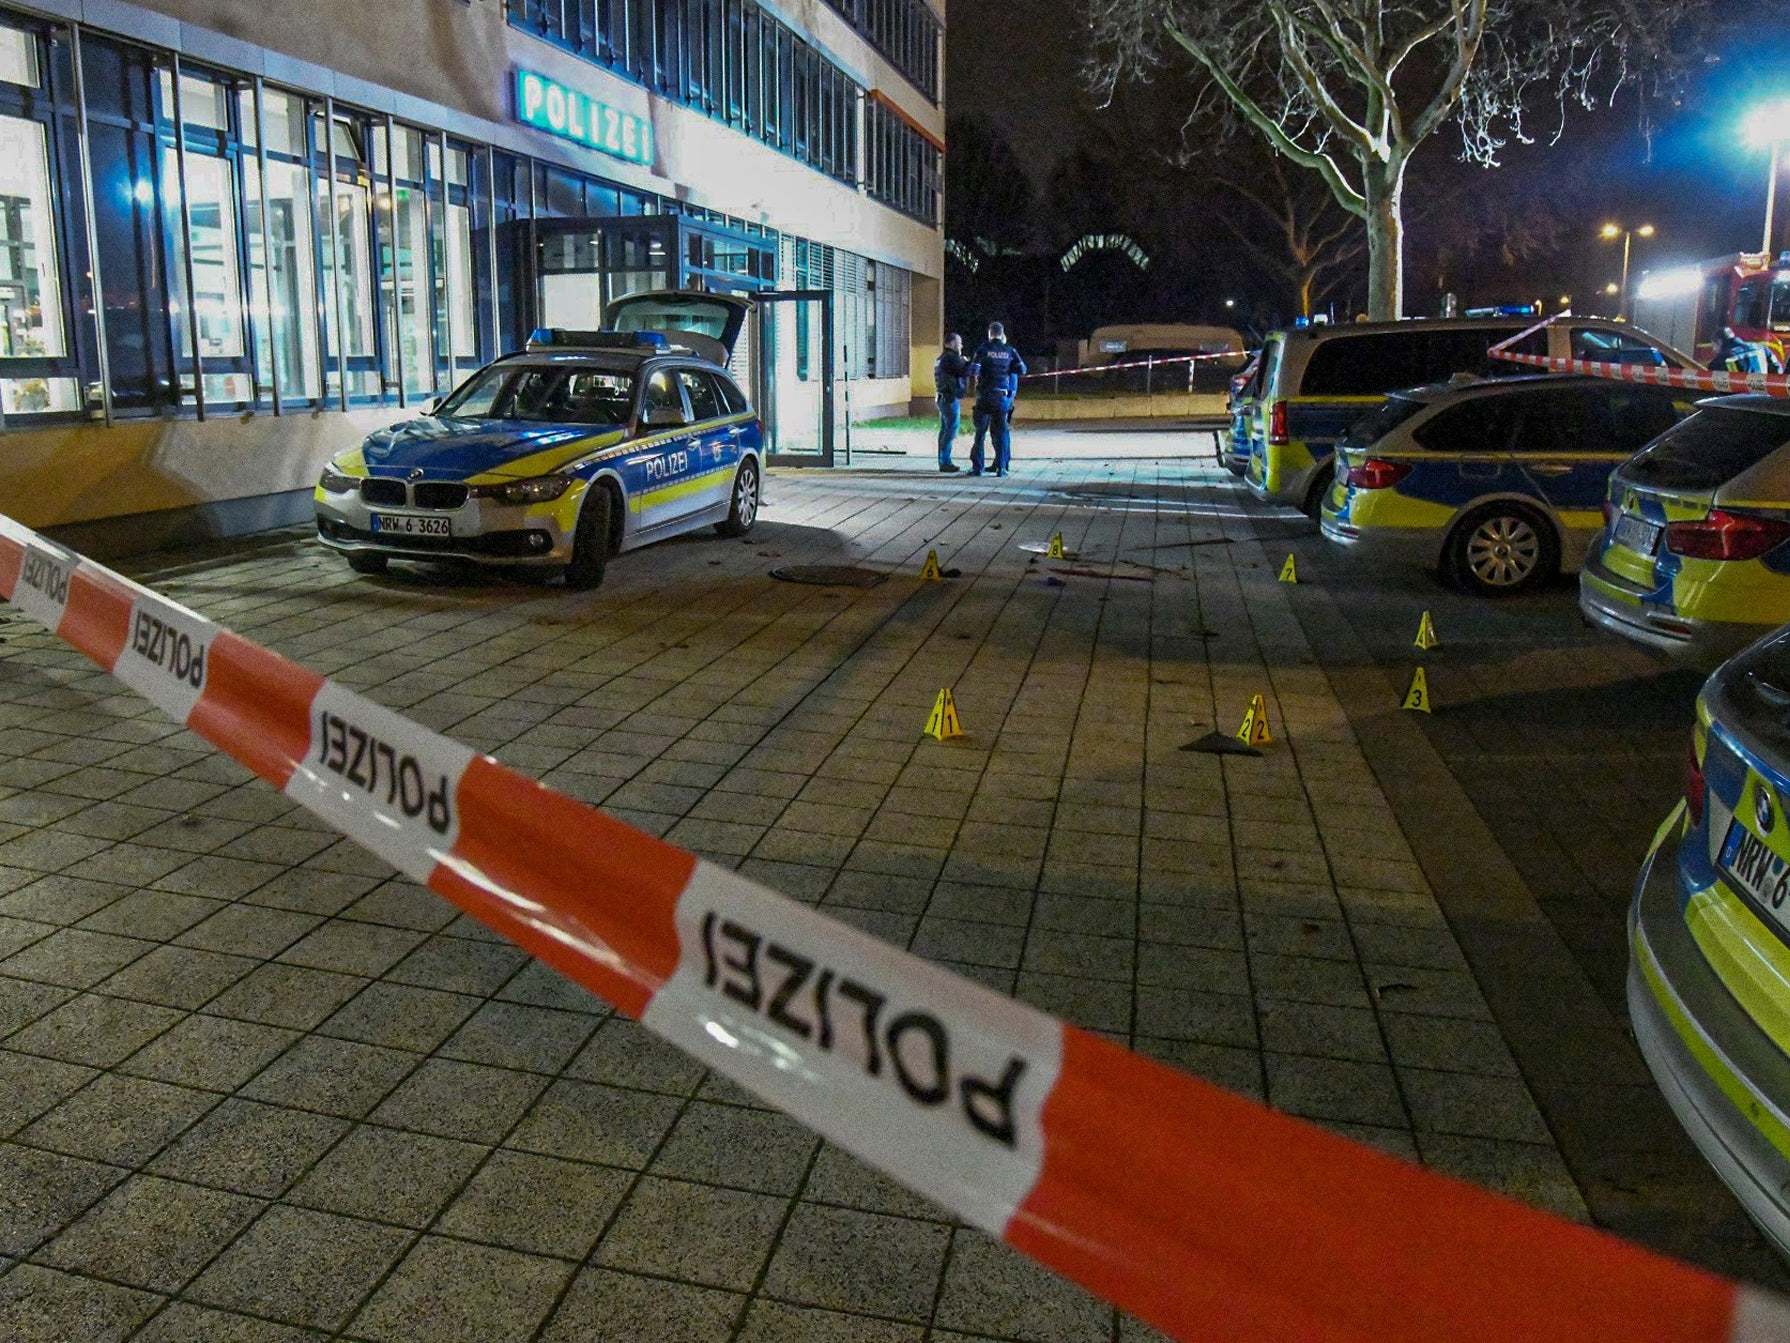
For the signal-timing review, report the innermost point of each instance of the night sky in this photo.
(1014, 64)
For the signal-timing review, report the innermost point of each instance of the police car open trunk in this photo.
(708, 325)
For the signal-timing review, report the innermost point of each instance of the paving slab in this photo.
(255, 1085)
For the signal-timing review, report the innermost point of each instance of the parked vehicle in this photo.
(1709, 937)
(1318, 381)
(587, 444)
(1246, 387)
(1694, 560)
(1744, 292)
(1498, 484)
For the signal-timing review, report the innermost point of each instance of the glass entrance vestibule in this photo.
(785, 355)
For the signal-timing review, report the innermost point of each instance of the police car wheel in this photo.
(743, 511)
(367, 564)
(1497, 551)
(590, 542)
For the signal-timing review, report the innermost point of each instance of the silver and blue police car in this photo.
(586, 444)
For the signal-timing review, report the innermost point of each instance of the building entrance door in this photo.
(791, 357)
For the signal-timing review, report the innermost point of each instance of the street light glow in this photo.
(1645, 231)
(1610, 231)
(1612, 288)
(1767, 124)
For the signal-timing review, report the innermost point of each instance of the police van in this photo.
(584, 445)
(1316, 382)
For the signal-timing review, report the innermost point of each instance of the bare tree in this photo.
(1349, 89)
(1316, 235)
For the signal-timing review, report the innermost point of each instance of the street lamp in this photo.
(1612, 288)
(1609, 233)
(1230, 303)
(1767, 126)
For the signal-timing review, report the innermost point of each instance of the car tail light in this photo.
(1726, 536)
(1277, 423)
(1693, 784)
(1376, 473)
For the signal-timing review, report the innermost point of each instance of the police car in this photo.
(1694, 560)
(1709, 938)
(586, 444)
(1498, 484)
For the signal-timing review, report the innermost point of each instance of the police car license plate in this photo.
(1637, 533)
(1756, 869)
(405, 524)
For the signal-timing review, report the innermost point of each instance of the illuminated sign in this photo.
(1105, 242)
(552, 107)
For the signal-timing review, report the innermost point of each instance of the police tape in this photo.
(1137, 363)
(1203, 1213)
(1694, 379)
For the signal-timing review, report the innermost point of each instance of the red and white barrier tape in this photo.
(1205, 1214)
(1695, 379)
(1137, 363)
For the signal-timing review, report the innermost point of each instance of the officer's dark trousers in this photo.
(992, 418)
(948, 416)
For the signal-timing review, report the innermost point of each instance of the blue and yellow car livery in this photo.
(663, 442)
(1292, 449)
(1709, 939)
(1496, 484)
(1694, 560)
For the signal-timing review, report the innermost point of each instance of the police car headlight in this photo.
(539, 490)
(334, 482)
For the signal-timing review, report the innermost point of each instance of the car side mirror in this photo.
(663, 417)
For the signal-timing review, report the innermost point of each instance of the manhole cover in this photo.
(829, 575)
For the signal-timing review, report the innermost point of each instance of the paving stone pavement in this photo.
(256, 1086)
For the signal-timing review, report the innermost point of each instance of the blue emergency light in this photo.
(564, 338)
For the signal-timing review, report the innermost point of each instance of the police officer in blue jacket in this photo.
(951, 375)
(997, 368)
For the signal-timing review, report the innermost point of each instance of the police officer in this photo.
(951, 375)
(997, 368)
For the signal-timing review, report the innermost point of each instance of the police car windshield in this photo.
(545, 394)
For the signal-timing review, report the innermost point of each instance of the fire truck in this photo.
(1687, 306)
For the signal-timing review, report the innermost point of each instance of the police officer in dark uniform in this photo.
(997, 368)
(951, 375)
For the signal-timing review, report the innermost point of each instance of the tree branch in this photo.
(1346, 195)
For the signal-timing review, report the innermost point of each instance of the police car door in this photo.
(659, 469)
(713, 440)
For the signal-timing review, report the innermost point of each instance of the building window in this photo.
(906, 32)
(903, 168)
(282, 277)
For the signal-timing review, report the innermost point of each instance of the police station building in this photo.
(236, 235)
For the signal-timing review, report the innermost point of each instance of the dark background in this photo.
(1034, 164)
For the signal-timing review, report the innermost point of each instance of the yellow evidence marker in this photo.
(1426, 633)
(943, 724)
(1417, 698)
(1254, 731)
(930, 572)
(1056, 548)
(1289, 573)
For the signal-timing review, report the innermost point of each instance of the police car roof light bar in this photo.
(561, 338)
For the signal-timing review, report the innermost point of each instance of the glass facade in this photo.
(179, 240)
(728, 59)
(903, 167)
(906, 32)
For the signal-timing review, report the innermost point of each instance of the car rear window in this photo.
(1372, 363)
(1376, 424)
(1710, 448)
